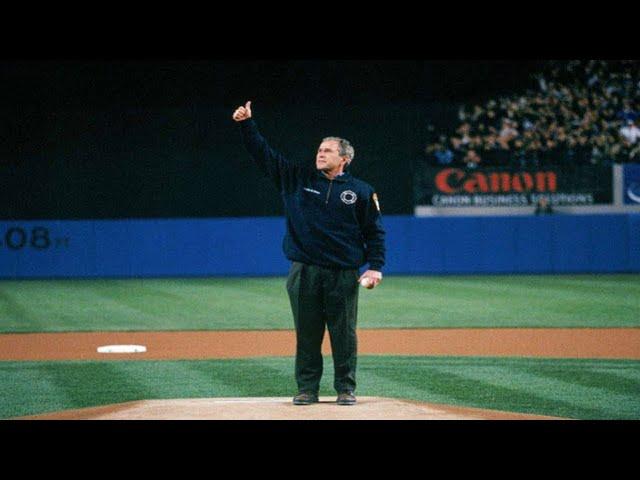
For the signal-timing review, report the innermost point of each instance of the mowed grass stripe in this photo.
(522, 385)
(519, 389)
(262, 303)
(170, 300)
(87, 380)
(227, 302)
(513, 300)
(215, 307)
(558, 290)
(86, 305)
(14, 312)
(26, 387)
(479, 386)
(53, 386)
(501, 301)
(621, 381)
(536, 386)
(71, 303)
(269, 378)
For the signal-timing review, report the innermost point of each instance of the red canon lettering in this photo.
(522, 182)
(476, 183)
(454, 180)
(443, 180)
(546, 181)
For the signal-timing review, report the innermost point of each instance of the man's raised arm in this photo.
(271, 162)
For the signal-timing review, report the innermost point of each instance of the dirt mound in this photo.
(281, 408)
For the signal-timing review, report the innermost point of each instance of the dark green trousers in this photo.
(324, 297)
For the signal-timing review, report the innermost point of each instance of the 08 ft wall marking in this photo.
(37, 238)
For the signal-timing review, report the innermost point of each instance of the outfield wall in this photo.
(252, 246)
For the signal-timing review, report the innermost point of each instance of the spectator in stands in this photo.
(543, 207)
(491, 121)
(442, 154)
(630, 132)
(627, 113)
(464, 132)
(472, 159)
(508, 131)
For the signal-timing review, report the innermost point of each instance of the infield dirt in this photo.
(614, 343)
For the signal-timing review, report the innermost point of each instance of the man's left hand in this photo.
(374, 275)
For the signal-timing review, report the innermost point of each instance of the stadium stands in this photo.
(581, 112)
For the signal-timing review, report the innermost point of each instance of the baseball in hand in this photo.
(366, 282)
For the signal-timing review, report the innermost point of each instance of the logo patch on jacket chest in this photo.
(348, 197)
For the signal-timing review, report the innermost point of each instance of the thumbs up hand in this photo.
(242, 113)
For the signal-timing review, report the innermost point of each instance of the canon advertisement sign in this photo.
(631, 184)
(485, 187)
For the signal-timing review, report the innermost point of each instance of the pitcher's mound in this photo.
(281, 408)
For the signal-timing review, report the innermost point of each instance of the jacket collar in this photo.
(344, 177)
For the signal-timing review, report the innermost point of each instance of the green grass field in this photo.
(580, 389)
(573, 388)
(261, 303)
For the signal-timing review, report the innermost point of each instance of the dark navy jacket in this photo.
(332, 223)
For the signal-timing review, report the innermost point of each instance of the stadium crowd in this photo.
(582, 111)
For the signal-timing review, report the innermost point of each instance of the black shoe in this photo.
(305, 398)
(346, 398)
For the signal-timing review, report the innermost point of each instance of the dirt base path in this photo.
(614, 343)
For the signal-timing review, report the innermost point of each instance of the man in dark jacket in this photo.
(333, 228)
